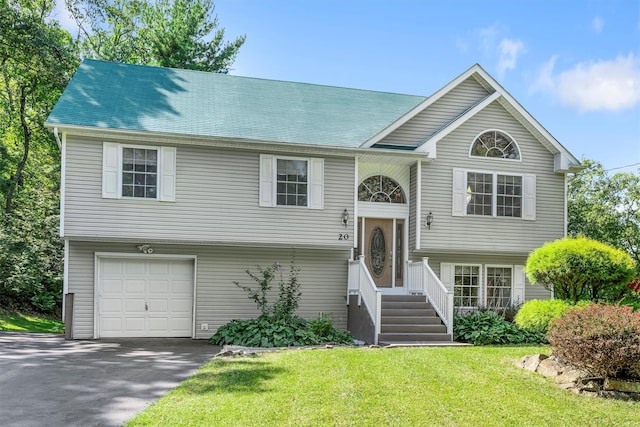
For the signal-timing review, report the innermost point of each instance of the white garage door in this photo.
(141, 297)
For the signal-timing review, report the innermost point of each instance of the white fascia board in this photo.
(420, 107)
(572, 161)
(429, 145)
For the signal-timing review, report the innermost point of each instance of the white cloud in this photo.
(509, 51)
(603, 85)
(597, 24)
(488, 37)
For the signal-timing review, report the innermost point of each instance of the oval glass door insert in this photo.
(378, 252)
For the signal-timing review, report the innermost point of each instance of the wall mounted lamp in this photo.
(429, 220)
(345, 217)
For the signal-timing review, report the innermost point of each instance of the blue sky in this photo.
(574, 65)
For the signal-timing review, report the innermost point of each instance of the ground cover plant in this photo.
(11, 321)
(431, 386)
(486, 327)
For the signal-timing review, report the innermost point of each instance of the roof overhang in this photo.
(369, 154)
(564, 160)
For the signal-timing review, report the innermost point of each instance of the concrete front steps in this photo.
(410, 320)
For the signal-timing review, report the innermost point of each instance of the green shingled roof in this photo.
(134, 97)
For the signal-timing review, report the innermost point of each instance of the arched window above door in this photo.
(380, 189)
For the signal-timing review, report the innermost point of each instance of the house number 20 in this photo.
(343, 236)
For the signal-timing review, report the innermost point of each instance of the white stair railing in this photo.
(361, 283)
(423, 280)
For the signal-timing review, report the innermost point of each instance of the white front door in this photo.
(142, 297)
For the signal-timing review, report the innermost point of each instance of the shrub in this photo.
(488, 327)
(271, 331)
(602, 339)
(536, 315)
(581, 268)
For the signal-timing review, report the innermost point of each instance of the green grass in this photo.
(10, 321)
(432, 386)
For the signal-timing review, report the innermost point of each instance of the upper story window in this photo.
(494, 194)
(382, 189)
(292, 188)
(291, 181)
(495, 144)
(138, 171)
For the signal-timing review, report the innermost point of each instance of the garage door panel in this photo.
(112, 285)
(145, 297)
(158, 286)
(111, 305)
(158, 305)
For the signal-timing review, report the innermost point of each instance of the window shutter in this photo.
(167, 174)
(517, 296)
(267, 177)
(529, 211)
(110, 167)
(459, 206)
(316, 183)
(446, 275)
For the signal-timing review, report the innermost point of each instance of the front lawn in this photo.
(431, 386)
(10, 321)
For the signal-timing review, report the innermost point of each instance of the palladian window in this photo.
(381, 189)
(495, 144)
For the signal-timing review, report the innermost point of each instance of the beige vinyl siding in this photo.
(437, 114)
(475, 234)
(530, 291)
(216, 201)
(323, 276)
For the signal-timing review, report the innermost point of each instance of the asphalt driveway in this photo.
(47, 381)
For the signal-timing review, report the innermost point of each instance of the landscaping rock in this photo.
(622, 385)
(530, 363)
(570, 375)
(549, 368)
(590, 384)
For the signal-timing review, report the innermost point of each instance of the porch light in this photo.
(429, 220)
(345, 217)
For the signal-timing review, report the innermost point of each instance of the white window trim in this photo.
(269, 181)
(528, 197)
(501, 159)
(517, 295)
(480, 284)
(112, 172)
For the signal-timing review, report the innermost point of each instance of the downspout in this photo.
(55, 133)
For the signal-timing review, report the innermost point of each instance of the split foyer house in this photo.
(399, 209)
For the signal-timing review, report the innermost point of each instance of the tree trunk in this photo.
(15, 181)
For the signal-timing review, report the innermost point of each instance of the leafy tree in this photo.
(36, 61)
(581, 268)
(169, 33)
(606, 208)
(37, 58)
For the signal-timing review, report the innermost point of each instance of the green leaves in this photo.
(487, 328)
(581, 268)
(270, 331)
(168, 33)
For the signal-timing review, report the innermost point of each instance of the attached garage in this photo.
(144, 296)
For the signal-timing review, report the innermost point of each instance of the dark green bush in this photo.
(271, 331)
(603, 339)
(488, 327)
(536, 315)
(580, 268)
